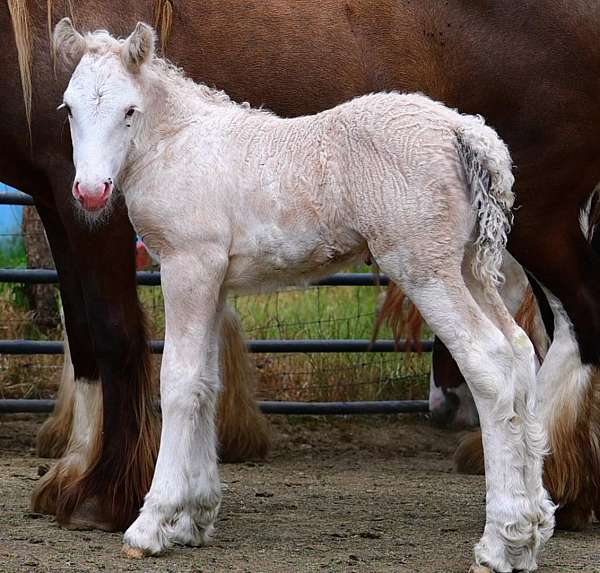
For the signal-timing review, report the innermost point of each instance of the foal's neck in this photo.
(175, 103)
(186, 99)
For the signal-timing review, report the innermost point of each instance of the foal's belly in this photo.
(265, 264)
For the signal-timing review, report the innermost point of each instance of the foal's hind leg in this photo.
(487, 361)
(525, 396)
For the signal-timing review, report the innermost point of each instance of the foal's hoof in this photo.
(480, 569)
(133, 552)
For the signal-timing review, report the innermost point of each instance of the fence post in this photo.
(42, 297)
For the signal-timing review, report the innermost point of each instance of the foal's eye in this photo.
(130, 112)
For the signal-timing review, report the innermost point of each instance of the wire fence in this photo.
(342, 315)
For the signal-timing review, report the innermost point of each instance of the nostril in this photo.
(78, 193)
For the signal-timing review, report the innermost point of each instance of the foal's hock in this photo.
(236, 199)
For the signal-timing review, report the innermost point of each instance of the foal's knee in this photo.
(187, 393)
(493, 361)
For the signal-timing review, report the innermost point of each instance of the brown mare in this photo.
(530, 68)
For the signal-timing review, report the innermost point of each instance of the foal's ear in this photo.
(68, 44)
(138, 49)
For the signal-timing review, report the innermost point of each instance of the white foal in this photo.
(236, 199)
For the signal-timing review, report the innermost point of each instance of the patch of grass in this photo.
(25, 376)
(328, 313)
(12, 253)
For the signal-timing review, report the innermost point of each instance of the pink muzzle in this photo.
(93, 197)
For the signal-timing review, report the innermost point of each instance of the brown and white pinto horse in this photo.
(531, 68)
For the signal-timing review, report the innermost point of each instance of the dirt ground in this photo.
(338, 494)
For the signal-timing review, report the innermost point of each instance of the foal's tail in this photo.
(488, 170)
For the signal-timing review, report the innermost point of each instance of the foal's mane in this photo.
(102, 42)
(21, 24)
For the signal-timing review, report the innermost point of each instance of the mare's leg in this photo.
(108, 343)
(53, 436)
(243, 430)
(80, 400)
(559, 256)
(184, 498)
(487, 361)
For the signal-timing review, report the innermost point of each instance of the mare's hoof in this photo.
(87, 516)
(43, 469)
(573, 518)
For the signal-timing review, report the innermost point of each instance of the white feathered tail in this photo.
(488, 170)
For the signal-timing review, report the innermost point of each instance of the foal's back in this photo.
(314, 191)
(396, 157)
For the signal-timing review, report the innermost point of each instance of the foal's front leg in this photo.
(184, 498)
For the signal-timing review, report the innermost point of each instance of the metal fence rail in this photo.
(312, 345)
(15, 198)
(150, 278)
(268, 407)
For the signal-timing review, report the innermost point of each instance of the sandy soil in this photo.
(351, 495)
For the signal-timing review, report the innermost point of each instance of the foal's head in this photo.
(103, 101)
